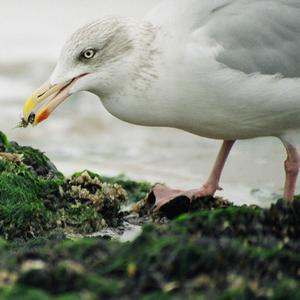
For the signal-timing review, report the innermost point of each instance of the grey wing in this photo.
(258, 35)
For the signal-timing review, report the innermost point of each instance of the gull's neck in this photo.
(141, 85)
(144, 34)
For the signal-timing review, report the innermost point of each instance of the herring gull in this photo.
(222, 69)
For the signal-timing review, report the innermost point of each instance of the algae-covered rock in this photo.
(24, 190)
(214, 251)
(38, 163)
(35, 198)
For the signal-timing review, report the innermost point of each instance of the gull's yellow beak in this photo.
(59, 93)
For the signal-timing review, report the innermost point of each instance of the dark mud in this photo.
(209, 250)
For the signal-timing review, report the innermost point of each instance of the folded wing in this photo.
(257, 35)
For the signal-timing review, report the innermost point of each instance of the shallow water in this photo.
(82, 135)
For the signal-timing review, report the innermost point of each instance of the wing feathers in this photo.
(258, 35)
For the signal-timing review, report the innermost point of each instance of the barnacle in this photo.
(96, 202)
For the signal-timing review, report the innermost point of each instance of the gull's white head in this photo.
(98, 58)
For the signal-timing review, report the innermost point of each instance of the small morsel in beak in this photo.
(31, 118)
(24, 123)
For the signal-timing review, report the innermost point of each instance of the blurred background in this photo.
(82, 135)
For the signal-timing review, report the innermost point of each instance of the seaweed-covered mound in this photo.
(27, 178)
(36, 161)
(194, 257)
(35, 198)
(213, 251)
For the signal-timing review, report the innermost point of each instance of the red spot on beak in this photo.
(42, 116)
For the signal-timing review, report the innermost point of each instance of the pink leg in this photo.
(212, 183)
(164, 194)
(291, 166)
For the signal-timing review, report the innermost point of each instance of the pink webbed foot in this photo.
(165, 195)
(178, 200)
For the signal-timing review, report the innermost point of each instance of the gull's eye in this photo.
(88, 54)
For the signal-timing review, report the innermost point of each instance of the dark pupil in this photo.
(88, 53)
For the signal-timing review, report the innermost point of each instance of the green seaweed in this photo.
(35, 198)
(22, 213)
(35, 160)
(3, 141)
(159, 263)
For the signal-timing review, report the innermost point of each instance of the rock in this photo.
(36, 199)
